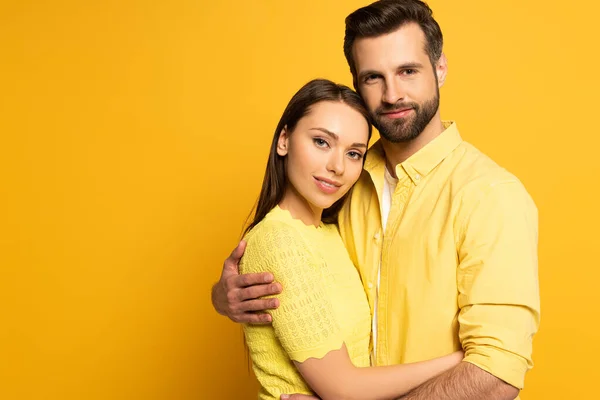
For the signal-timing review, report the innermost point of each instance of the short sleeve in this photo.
(498, 281)
(305, 322)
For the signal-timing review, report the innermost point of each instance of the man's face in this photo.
(397, 82)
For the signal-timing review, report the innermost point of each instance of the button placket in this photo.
(400, 199)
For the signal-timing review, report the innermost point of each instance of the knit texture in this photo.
(323, 304)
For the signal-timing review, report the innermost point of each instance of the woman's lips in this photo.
(327, 185)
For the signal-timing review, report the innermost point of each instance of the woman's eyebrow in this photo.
(328, 132)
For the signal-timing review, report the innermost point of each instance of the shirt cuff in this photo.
(509, 367)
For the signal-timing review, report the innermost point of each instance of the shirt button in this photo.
(370, 285)
(377, 236)
(417, 177)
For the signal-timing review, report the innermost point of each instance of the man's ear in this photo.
(283, 142)
(441, 69)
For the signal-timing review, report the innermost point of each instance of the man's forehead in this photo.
(404, 45)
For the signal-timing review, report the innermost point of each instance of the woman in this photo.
(320, 335)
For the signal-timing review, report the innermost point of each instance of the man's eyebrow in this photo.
(413, 65)
(329, 133)
(408, 65)
(336, 137)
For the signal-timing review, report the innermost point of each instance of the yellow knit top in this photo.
(322, 306)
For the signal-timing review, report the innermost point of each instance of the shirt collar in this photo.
(420, 164)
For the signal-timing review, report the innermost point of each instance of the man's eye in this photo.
(370, 78)
(409, 72)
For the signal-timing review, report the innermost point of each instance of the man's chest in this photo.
(417, 250)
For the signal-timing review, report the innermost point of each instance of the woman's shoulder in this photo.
(274, 234)
(271, 226)
(279, 224)
(272, 244)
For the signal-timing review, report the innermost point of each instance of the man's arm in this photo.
(238, 296)
(464, 382)
(498, 297)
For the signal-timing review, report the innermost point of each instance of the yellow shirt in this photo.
(458, 258)
(323, 304)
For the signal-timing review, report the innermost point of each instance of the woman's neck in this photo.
(300, 208)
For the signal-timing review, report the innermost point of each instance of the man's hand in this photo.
(237, 296)
(298, 397)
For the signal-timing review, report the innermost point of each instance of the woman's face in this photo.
(324, 153)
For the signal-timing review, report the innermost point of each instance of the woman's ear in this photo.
(283, 141)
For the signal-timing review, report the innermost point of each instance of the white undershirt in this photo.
(389, 186)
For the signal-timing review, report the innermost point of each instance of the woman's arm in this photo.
(334, 377)
(307, 325)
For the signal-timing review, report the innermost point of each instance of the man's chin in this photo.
(396, 136)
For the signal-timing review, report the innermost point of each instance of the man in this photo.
(445, 240)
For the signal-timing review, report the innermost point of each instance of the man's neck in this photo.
(396, 153)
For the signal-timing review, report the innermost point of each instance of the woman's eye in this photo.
(355, 155)
(320, 142)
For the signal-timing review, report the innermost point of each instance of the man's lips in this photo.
(400, 113)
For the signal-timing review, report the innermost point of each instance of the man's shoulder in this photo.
(475, 168)
(476, 174)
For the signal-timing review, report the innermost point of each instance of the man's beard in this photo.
(405, 129)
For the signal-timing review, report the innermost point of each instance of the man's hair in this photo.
(385, 16)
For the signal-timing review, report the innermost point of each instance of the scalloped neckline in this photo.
(288, 215)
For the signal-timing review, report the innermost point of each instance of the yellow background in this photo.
(133, 141)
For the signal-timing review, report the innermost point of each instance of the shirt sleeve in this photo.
(305, 322)
(498, 281)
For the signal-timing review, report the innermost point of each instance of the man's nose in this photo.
(393, 92)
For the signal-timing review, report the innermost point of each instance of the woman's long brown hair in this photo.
(274, 182)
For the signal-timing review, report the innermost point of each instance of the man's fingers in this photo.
(253, 279)
(233, 260)
(238, 252)
(259, 305)
(256, 291)
(254, 318)
(298, 397)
